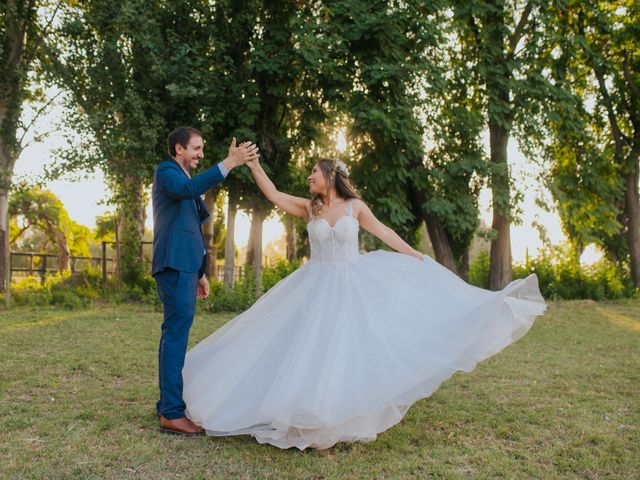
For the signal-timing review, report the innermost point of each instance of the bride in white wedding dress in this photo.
(341, 348)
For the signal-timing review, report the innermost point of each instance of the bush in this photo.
(62, 289)
(243, 293)
(80, 289)
(274, 273)
(561, 277)
(143, 292)
(479, 271)
(235, 299)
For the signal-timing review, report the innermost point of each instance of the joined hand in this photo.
(243, 153)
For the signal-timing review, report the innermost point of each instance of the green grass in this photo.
(77, 395)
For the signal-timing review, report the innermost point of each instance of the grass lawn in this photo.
(78, 391)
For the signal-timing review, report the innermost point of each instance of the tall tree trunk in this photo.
(500, 273)
(117, 270)
(464, 266)
(251, 242)
(632, 201)
(132, 205)
(62, 247)
(257, 261)
(15, 36)
(7, 163)
(229, 245)
(499, 109)
(208, 230)
(291, 237)
(255, 246)
(632, 207)
(4, 246)
(440, 242)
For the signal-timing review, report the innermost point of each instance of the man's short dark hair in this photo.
(180, 135)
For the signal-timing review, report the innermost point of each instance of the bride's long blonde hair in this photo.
(338, 179)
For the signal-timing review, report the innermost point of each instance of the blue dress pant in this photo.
(177, 291)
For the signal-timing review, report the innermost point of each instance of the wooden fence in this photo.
(34, 263)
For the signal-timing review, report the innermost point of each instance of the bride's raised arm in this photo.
(297, 206)
(371, 224)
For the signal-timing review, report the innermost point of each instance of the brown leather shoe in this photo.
(180, 426)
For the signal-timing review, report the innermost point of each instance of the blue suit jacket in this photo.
(178, 212)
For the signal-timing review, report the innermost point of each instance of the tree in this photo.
(504, 41)
(123, 64)
(260, 89)
(21, 39)
(41, 209)
(355, 59)
(214, 229)
(386, 71)
(597, 147)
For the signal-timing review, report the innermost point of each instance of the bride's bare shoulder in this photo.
(358, 205)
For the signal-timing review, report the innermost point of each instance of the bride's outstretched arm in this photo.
(371, 224)
(297, 206)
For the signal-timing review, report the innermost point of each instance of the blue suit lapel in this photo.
(201, 208)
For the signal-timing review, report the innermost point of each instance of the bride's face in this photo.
(317, 181)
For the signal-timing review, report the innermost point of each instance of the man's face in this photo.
(190, 157)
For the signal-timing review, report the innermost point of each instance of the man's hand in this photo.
(241, 154)
(203, 287)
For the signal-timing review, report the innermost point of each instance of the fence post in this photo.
(104, 261)
(43, 268)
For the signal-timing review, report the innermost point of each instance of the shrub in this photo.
(276, 272)
(479, 271)
(562, 277)
(144, 291)
(243, 293)
(62, 289)
(235, 299)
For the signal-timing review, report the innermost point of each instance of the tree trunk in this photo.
(62, 247)
(632, 207)
(500, 273)
(117, 270)
(255, 247)
(464, 266)
(251, 243)
(5, 274)
(258, 219)
(440, 242)
(7, 163)
(499, 108)
(208, 230)
(290, 237)
(132, 205)
(229, 244)
(15, 36)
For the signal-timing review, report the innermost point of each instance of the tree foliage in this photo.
(594, 127)
(40, 209)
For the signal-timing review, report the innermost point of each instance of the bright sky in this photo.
(84, 199)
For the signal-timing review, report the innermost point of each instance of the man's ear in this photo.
(179, 149)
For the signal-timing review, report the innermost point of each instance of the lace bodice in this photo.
(337, 243)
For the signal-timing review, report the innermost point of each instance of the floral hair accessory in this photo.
(341, 167)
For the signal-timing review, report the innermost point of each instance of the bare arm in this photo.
(297, 206)
(371, 224)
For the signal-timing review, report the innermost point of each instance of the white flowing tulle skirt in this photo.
(339, 352)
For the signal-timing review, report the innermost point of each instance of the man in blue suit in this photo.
(179, 258)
